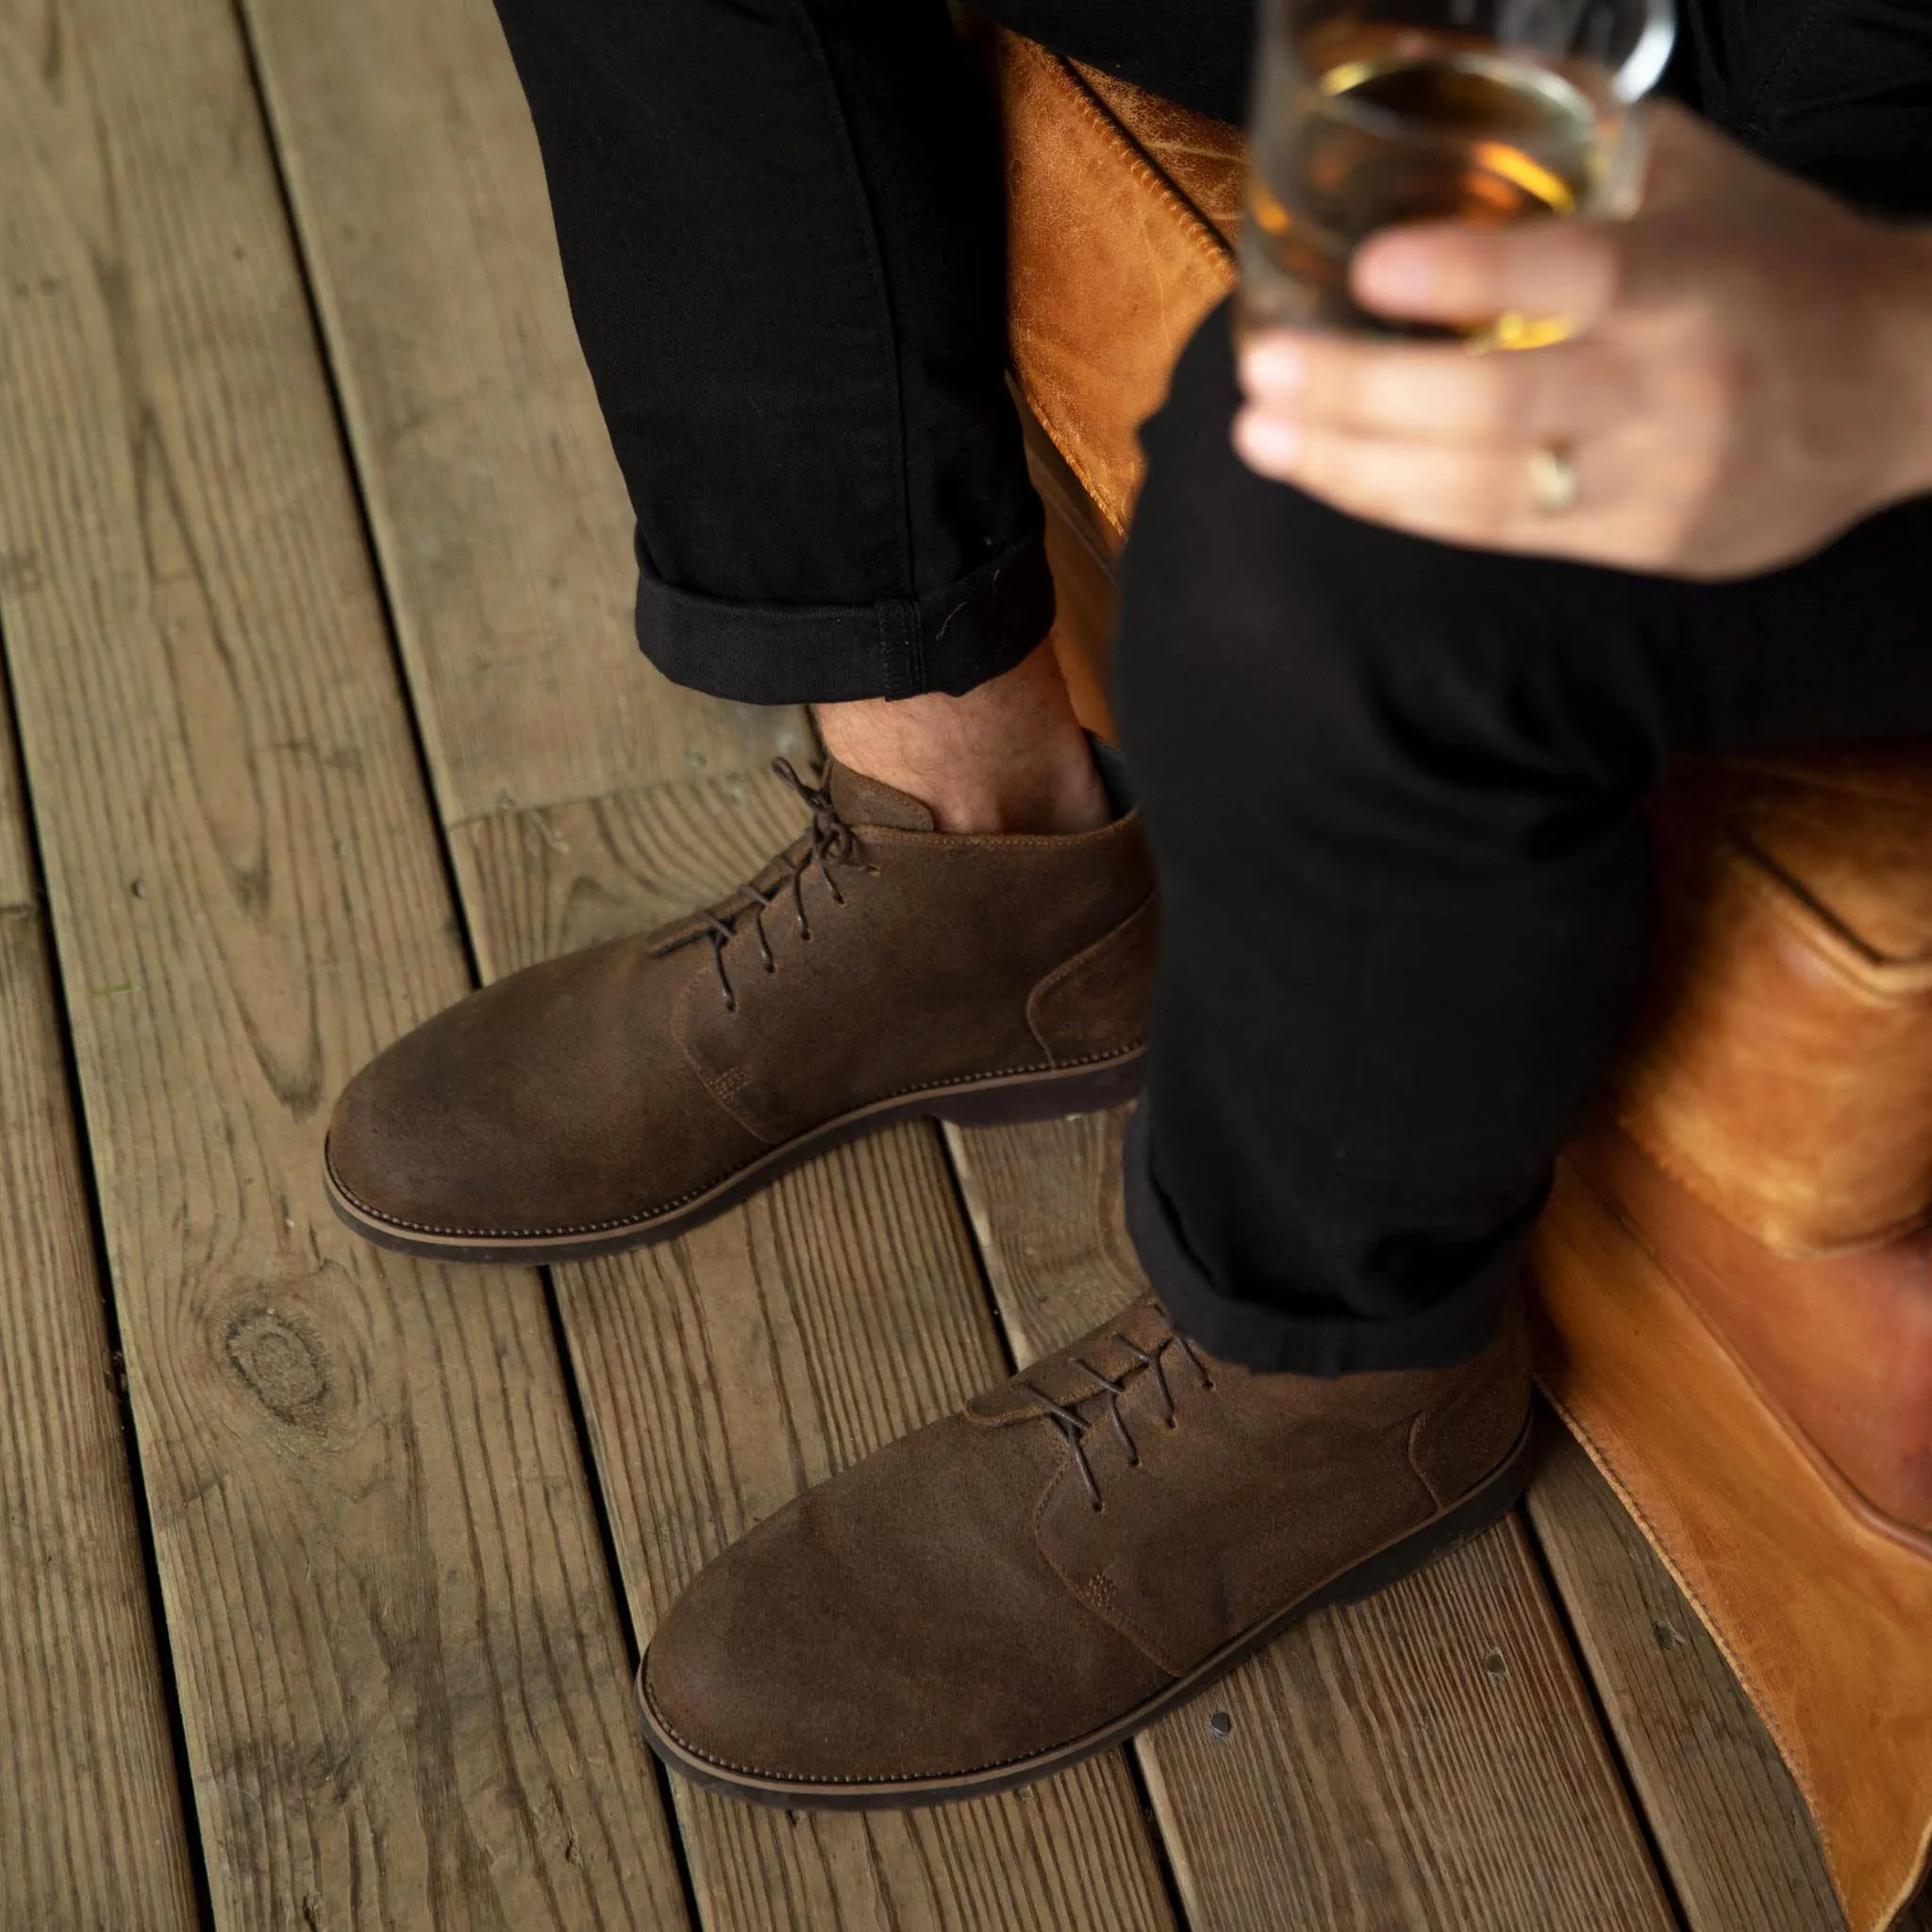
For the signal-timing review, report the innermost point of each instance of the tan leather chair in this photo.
(1736, 1270)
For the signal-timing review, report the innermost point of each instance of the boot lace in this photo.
(832, 842)
(1072, 1424)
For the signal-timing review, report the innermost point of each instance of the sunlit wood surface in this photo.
(322, 1574)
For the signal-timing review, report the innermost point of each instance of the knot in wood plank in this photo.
(283, 1366)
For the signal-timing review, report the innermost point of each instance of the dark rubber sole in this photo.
(971, 1103)
(1484, 1506)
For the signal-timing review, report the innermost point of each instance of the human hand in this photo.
(1750, 372)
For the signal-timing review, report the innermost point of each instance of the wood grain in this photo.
(402, 1673)
(550, 880)
(91, 1833)
(1726, 1813)
(494, 499)
(1427, 1759)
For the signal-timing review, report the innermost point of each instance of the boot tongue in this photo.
(862, 801)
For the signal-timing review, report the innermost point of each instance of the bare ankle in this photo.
(1008, 757)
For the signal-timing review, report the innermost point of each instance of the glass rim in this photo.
(1629, 81)
(1648, 59)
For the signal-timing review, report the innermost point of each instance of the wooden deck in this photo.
(322, 1574)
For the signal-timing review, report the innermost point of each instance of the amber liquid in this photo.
(1411, 125)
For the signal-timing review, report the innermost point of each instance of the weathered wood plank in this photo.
(1427, 1759)
(401, 1666)
(492, 490)
(17, 893)
(1723, 1808)
(558, 877)
(91, 1832)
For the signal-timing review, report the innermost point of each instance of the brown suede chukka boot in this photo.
(876, 968)
(1035, 1578)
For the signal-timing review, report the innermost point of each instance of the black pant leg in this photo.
(1392, 786)
(1395, 813)
(782, 232)
(782, 229)
(1394, 792)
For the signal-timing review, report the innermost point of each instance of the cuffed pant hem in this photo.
(1269, 1338)
(784, 654)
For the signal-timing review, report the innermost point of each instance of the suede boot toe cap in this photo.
(814, 1654)
(534, 1106)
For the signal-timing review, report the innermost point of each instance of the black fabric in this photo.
(950, 639)
(1837, 90)
(1392, 786)
(1394, 792)
(782, 233)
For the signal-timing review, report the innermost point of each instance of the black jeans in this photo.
(1393, 786)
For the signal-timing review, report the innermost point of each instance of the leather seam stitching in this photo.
(1207, 243)
(1065, 440)
(680, 1015)
(1207, 240)
(1873, 977)
(1116, 1620)
(1415, 1468)
(1046, 988)
(1745, 1676)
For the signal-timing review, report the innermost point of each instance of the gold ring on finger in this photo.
(1552, 483)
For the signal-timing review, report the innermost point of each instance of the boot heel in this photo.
(1478, 1512)
(1046, 1097)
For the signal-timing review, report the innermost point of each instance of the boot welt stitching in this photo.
(884, 1777)
(1233, 1652)
(538, 1234)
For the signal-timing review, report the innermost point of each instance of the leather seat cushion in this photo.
(1785, 1074)
(1121, 210)
(1821, 1609)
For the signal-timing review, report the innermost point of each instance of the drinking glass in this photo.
(1370, 112)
